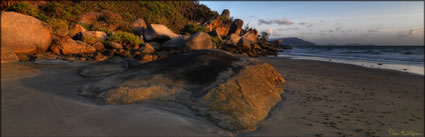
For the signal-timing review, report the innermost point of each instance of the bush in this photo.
(125, 38)
(60, 27)
(89, 40)
(217, 40)
(194, 28)
(27, 9)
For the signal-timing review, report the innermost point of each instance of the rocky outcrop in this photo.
(93, 36)
(225, 14)
(24, 34)
(175, 42)
(233, 92)
(70, 46)
(234, 39)
(8, 55)
(148, 49)
(158, 32)
(138, 26)
(217, 24)
(200, 40)
(245, 44)
(251, 35)
(77, 28)
(107, 67)
(236, 27)
(90, 17)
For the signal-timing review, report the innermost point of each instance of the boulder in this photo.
(99, 46)
(244, 44)
(45, 55)
(95, 36)
(251, 35)
(236, 27)
(158, 32)
(175, 42)
(7, 55)
(99, 57)
(215, 34)
(234, 39)
(225, 14)
(107, 67)
(148, 49)
(24, 34)
(217, 23)
(232, 91)
(200, 40)
(115, 45)
(24, 58)
(77, 28)
(70, 46)
(138, 26)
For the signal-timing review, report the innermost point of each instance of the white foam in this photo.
(415, 69)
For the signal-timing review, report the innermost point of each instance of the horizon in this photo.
(338, 23)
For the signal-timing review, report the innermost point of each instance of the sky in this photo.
(332, 22)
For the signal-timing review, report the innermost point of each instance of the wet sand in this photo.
(320, 99)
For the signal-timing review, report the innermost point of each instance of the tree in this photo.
(264, 36)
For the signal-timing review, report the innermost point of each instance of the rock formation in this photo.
(233, 92)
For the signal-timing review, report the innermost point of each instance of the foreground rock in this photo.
(24, 34)
(200, 40)
(232, 91)
(8, 55)
(70, 46)
(107, 67)
(158, 32)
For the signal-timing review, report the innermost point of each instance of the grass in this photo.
(194, 28)
(125, 38)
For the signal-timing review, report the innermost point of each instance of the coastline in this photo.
(320, 98)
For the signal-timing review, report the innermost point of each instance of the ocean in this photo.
(401, 58)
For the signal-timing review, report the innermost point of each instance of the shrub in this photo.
(194, 28)
(217, 40)
(125, 38)
(27, 9)
(60, 27)
(89, 40)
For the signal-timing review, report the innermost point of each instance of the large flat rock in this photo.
(233, 92)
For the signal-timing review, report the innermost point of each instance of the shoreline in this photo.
(411, 69)
(320, 98)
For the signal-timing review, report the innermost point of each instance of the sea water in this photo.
(401, 58)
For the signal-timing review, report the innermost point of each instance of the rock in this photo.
(139, 26)
(107, 67)
(70, 46)
(56, 48)
(158, 32)
(226, 13)
(52, 61)
(234, 39)
(77, 28)
(233, 92)
(95, 36)
(83, 59)
(8, 55)
(217, 24)
(251, 35)
(245, 44)
(115, 45)
(236, 27)
(147, 58)
(155, 45)
(175, 42)
(24, 34)
(89, 17)
(200, 40)
(45, 55)
(24, 58)
(99, 57)
(69, 58)
(99, 46)
(148, 49)
(215, 33)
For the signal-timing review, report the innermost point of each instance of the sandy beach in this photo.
(320, 99)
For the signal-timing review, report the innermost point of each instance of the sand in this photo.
(320, 99)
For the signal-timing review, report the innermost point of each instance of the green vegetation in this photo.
(194, 28)
(89, 40)
(27, 9)
(60, 27)
(125, 38)
(217, 40)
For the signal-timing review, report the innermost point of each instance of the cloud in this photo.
(270, 31)
(411, 32)
(302, 23)
(283, 21)
(286, 29)
(309, 25)
(338, 28)
(373, 30)
(262, 21)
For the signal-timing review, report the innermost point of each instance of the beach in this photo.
(319, 99)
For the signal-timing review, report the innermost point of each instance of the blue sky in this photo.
(364, 22)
